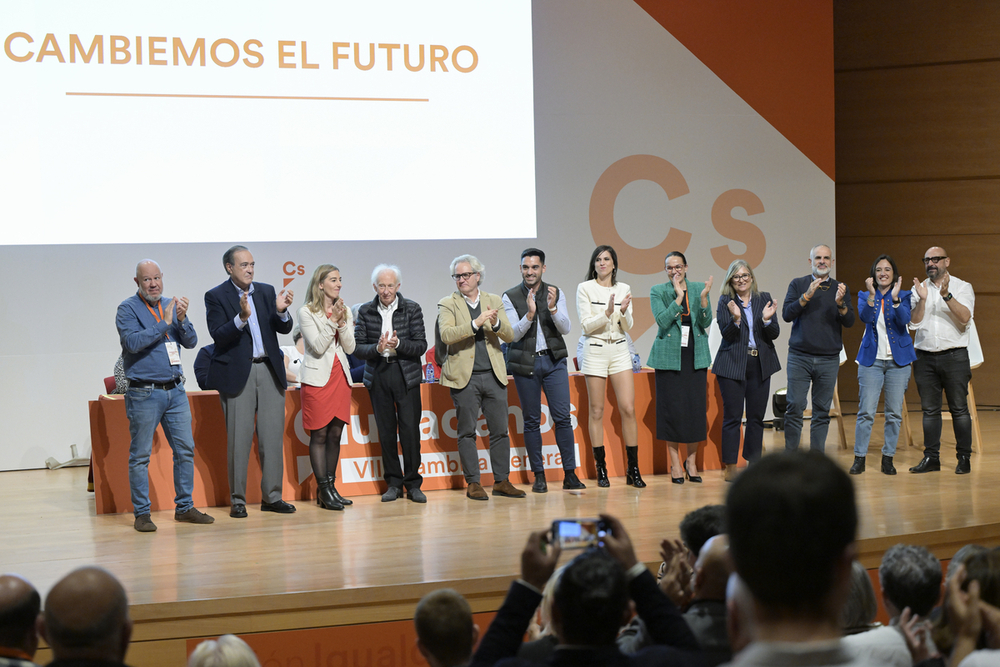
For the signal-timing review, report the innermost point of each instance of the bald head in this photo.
(712, 569)
(86, 616)
(149, 279)
(19, 606)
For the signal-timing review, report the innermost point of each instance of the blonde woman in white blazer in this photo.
(328, 333)
(605, 309)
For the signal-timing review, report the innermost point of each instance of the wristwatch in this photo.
(949, 297)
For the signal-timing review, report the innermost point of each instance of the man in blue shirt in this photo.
(152, 329)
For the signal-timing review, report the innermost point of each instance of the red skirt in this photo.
(320, 405)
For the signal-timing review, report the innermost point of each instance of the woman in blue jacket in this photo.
(883, 360)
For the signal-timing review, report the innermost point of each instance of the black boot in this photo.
(602, 468)
(859, 465)
(887, 467)
(964, 467)
(336, 494)
(540, 486)
(632, 476)
(325, 495)
(927, 464)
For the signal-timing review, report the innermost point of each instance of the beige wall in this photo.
(918, 152)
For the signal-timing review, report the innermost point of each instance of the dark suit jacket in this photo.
(731, 359)
(667, 628)
(230, 365)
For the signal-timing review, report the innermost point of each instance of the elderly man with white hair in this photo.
(472, 324)
(389, 336)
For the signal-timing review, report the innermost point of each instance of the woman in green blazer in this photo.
(681, 358)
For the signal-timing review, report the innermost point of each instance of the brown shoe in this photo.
(731, 472)
(476, 492)
(193, 516)
(508, 490)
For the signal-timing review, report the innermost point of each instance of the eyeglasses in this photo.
(675, 269)
(934, 260)
(741, 277)
(459, 277)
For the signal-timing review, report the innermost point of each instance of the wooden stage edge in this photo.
(373, 562)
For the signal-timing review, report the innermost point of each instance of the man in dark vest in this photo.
(537, 360)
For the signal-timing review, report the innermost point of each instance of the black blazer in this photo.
(230, 366)
(731, 359)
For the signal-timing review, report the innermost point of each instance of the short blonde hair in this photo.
(226, 651)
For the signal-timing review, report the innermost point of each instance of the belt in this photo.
(258, 360)
(154, 385)
(543, 353)
(934, 354)
(752, 351)
(391, 359)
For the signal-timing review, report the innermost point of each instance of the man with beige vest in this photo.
(471, 324)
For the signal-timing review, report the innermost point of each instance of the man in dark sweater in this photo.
(818, 307)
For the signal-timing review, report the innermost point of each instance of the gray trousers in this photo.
(483, 391)
(260, 405)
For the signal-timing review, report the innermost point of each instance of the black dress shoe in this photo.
(416, 495)
(676, 480)
(963, 467)
(887, 467)
(695, 479)
(859, 465)
(927, 464)
(391, 494)
(279, 506)
(540, 486)
(238, 511)
(571, 481)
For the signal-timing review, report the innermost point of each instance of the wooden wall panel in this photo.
(926, 208)
(923, 123)
(918, 152)
(888, 33)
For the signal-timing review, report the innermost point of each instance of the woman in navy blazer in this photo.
(883, 360)
(745, 362)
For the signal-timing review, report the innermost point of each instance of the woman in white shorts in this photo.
(605, 309)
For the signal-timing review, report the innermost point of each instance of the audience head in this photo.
(791, 520)
(712, 569)
(910, 576)
(860, 610)
(984, 567)
(86, 617)
(960, 557)
(699, 525)
(739, 614)
(446, 634)
(548, 598)
(591, 600)
(19, 607)
(226, 651)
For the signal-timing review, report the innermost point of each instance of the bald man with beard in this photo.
(19, 606)
(86, 620)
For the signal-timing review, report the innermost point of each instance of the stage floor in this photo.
(373, 561)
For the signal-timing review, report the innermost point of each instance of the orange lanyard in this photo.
(687, 304)
(159, 317)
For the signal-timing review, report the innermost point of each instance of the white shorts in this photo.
(602, 358)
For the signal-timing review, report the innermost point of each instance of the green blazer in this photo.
(666, 352)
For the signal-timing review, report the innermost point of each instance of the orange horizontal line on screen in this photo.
(256, 97)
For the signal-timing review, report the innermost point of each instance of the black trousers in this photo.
(397, 410)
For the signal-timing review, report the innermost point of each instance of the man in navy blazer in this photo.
(244, 319)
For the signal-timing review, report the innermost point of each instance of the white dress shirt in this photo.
(939, 331)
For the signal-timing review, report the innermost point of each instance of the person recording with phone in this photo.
(328, 332)
(591, 603)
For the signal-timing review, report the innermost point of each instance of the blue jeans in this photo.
(946, 371)
(554, 379)
(145, 409)
(821, 372)
(871, 379)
